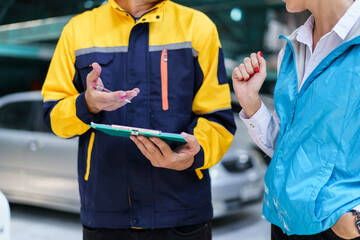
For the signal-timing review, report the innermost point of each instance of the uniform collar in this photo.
(155, 14)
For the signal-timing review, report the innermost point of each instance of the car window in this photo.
(17, 115)
(39, 124)
(41, 127)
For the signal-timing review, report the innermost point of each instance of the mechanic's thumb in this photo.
(192, 141)
(94, 74)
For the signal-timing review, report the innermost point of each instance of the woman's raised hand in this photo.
(248, 78)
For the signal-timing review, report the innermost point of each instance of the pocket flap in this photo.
(84, 61)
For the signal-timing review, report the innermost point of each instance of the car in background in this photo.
(39, 168)
(36, 167)
(238, 180)
(4, 218)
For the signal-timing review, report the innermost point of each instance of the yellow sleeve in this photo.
(214, 126)
(61, 98)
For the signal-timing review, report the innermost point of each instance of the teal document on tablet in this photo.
(125, 131)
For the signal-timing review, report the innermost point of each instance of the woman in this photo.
(312, 186)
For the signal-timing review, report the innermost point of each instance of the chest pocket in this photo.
(83, 68)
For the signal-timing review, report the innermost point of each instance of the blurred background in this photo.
(43, 199)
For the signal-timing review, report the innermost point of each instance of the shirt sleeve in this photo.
(357, 208)
(263, 128)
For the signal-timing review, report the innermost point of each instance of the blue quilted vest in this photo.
(314, 175)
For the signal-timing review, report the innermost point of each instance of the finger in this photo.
(144, 150)
(133, 93)
(94, 74)
(262, 63)
(110, 101)
(150, 147)
(243, 72)
(163, 146)
(192, 142)
(153, 152)
(117, 96)
(237, 76)
(248, 67)
(136, 90)
(254, 62)
(139, 144)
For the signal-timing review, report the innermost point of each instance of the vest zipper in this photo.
(164, 79)
(294, 111)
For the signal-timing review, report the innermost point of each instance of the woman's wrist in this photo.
(250, 105)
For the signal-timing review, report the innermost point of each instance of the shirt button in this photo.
(252, 125)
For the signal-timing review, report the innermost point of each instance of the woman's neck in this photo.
(326, 14)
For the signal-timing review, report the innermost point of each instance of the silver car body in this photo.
(38, 168)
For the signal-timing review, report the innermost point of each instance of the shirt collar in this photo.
(304, 34)
(342, 27)
(347, 22)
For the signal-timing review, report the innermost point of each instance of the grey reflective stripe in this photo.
(101, 50)
(194, 52)
(217, 110)
(174, 46)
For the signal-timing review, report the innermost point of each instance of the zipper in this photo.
(164, 79)
(297, 80)
(88, 160)
(294, 111)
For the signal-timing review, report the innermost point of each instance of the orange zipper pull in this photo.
(165, 55)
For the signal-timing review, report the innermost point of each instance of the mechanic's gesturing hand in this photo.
(104, 101)
(161, 155)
